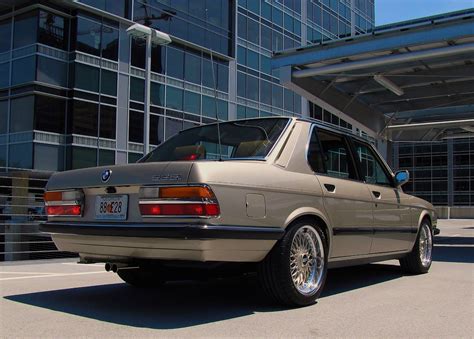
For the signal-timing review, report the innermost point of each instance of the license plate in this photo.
(111, 207)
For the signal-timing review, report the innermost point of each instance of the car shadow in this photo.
(454, 249)
(188, 303)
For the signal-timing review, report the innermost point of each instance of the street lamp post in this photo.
(151, 36)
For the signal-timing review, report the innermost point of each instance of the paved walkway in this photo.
(60, 299)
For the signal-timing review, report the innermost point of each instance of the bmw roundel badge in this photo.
(106, 175)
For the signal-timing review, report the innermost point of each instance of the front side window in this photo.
(239, 139)
(330, 155)
(372, 169)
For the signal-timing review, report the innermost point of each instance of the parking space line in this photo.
(44, 273)
(53, 275)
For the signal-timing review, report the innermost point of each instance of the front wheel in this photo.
(418, 261)
(295, 270)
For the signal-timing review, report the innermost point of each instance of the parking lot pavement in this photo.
(59, 298)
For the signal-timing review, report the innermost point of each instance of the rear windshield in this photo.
(239, 139)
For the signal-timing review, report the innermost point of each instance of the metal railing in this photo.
(21, 212)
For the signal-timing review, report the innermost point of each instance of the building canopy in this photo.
(412, 80)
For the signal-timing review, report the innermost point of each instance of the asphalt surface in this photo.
(60, 299)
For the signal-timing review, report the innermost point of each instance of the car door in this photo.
(393, 229)
(347, 201)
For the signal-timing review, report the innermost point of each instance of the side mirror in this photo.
(402, 177)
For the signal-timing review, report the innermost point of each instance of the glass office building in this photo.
(72, 83)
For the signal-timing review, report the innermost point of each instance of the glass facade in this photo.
(441, 172)
(72, 86)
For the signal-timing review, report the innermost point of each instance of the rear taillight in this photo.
(64, 203)
(192, 201)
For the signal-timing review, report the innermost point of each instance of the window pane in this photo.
(137, 89)
(372, 170)
(252, 88)
(24, 70)
(138, 52)
(315, 154)
(157, 94)
(277, 96)
(265, 92)
(50, 115)
(252, 59)
(174, 98)
(3, 155)
(108, 83)
(208, 106)
(336, 156)
(192, 68)
(83, 157)
(173, 126)
(222, 78)
(5, 35)
(21, 117)
(86, 77)
(265, 64)
(241, 84)
(135, 130)
(52, 71)
(106, 157)
(107, 122)
(266, 37)
(288, 100)
(25, 29)
(158, 59)
(88, 36)
(4, 74)
(21, 155)
(110, 38)
(52, 30)
(133, 157)
(3, 116)
(46, 157)
(242, 27)
(192, 102)
(175, 64)
(253, 33)
(156, 129)
(84, 118)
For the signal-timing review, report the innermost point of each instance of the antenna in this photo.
(215, 101)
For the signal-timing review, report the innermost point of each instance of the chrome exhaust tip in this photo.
(108, 267)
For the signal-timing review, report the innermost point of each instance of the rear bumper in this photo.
(173, 231)
(112, 242)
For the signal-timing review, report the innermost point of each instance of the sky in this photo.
(388, 11)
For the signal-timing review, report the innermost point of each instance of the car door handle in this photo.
(330, 188)
(376, 194)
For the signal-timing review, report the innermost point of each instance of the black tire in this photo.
(139, 277)
(274, 273)
(413, 263)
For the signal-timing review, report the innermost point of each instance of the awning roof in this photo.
(416, 71)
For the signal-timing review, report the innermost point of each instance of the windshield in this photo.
(239, 139)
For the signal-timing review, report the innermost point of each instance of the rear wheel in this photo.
(419, 259)
(294, 272)
(139, 277)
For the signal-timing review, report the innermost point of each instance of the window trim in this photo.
(382, 162)
(347, 141)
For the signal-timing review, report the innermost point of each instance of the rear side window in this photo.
(372, 169)
(328, 153)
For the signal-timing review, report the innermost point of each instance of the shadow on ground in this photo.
(185, 304)
(454, 249)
